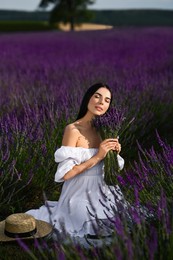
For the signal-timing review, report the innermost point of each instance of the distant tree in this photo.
(69, 11)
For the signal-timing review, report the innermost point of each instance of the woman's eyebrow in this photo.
(101, 95)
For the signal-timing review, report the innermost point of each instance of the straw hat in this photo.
(23, 226)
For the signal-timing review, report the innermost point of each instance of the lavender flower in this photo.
(111, 125)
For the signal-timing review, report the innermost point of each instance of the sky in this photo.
(31, 5)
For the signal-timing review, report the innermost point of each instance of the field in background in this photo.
(38, 20)
(84, 27)
(24, 26)
(28, 26)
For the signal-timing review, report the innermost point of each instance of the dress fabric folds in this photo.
(85, 199)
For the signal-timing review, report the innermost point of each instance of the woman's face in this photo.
(100, 101)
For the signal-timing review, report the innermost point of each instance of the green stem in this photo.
(111, 168)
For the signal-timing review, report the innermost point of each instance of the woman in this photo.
(85, 202)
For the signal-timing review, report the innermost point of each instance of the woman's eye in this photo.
(96, 96)
(107, 101)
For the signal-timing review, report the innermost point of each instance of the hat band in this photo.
(20, 235)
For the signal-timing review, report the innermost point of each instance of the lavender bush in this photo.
(152, 174)
(42, 79)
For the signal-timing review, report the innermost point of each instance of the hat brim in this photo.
(43, 230)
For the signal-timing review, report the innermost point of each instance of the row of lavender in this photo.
(42, 80)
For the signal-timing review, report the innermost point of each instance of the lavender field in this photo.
(42, 79)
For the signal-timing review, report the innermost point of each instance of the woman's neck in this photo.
(86, 121)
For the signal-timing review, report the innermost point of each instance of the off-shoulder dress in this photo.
(84, 199)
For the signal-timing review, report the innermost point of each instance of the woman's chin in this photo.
(99, 113)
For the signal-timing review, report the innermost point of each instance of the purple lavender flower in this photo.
(152, 242)
(112, 124)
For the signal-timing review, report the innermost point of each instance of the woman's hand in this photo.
(117, 146)
(107, 145)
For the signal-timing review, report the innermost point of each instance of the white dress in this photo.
(83, 198)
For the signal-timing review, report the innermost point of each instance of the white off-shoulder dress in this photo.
(85, 199)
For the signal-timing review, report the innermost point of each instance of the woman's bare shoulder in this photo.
(73, 127)
(71, 135)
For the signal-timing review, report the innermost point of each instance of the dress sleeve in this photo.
(120, 162)
(67, 158)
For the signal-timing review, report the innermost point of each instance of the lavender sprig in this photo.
(112, 125)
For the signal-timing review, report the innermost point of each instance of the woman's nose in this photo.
(101, 101)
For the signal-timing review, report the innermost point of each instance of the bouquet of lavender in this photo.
(111, 125)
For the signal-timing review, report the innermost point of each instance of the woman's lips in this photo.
(99, 108)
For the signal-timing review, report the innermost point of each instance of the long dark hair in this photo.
(89, 93)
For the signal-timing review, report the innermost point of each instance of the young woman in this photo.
(86, 202)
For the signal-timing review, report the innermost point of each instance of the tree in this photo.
(72, 11)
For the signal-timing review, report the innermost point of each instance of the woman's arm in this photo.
(70, 139)
(77, 169)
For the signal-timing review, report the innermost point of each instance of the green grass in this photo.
(13, 26)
